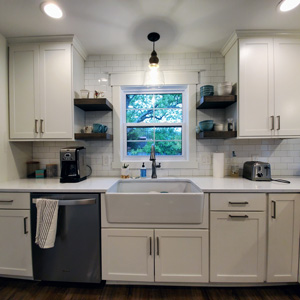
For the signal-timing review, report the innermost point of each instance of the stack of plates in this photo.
(206, 90)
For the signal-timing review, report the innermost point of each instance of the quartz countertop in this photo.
(101, 184)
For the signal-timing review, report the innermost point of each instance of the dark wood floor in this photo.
(28, 290)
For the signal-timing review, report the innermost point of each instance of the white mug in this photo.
(88, 129)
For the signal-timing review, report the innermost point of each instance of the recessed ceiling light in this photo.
(52, 10)
(286, 5)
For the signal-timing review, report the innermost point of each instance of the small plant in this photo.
(125, 166)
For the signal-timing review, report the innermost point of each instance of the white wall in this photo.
(284, 155)
(13, 156)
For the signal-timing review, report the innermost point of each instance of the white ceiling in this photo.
(122, 26)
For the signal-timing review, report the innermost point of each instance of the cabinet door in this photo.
(127, 254)
(56, 91)
(283, 238)
(181, 255)
(287, 81)
(24, 91)
(238, 247)
(15, 243)
(256, 89)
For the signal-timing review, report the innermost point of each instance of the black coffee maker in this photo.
(73, 165)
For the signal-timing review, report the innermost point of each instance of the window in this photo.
(154, 117)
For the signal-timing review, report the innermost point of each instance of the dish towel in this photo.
(47, 212)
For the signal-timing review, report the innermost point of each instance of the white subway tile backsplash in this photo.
(284, 155)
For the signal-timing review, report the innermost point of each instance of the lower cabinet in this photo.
(15, 235)
(238, 238)
(283, 237)
(160, 255)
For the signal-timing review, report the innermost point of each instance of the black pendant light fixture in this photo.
(153, 61)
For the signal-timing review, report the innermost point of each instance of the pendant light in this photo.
(154, 76)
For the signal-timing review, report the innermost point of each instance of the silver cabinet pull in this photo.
(150, 241)
(25, 225)
(6, 201)
(274, 209)
(273, 122)
(73, 202)
(36, 126)
(238, 203)
(157, 246)
(240, 216)
(41, 125)
(278, 120)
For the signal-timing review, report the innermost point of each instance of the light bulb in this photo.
(287, 5)
(52, 10)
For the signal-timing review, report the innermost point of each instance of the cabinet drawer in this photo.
(14, 201)
(238, 201)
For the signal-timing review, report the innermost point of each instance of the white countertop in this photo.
(101, 184)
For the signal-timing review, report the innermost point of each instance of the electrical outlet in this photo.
(105, 159)
(205, 159)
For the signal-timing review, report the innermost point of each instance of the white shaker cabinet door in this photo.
(287, 83)
(181, 255)
(127, 255)
(238, 247)
(256, 92)
(56, 91)
(283, 238)
(24, 91)
(15, 243)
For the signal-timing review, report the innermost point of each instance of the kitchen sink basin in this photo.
(162, 201)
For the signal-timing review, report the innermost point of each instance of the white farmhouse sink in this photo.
(164, 201)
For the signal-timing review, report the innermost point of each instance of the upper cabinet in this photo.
(41, 89)
(267, 72)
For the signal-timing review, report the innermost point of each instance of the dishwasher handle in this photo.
(73, 202)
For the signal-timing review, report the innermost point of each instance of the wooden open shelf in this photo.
(93, 136)
(91, 104)
(216, 135)
(207, 102)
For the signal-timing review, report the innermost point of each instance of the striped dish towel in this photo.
(47, 211)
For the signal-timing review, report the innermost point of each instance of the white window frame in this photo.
(119, 81)
(178, 89)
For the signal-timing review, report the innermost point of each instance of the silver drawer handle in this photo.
(243, 216)
(73, 202)
(6, 201)
(238, 203)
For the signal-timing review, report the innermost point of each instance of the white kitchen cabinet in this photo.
(181, 255)
(173, 255)
(283, 237)
(15, 235)
(41, 77)
(267, 75)
(237, 239)
(128, 254)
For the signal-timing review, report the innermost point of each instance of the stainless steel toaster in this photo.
(257, 170)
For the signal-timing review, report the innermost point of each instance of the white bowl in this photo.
(218, 127)
(224, 90)
(84, 93)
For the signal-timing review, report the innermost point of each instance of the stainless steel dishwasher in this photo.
(76, 254)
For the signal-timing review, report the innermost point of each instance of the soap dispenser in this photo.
(143, 171)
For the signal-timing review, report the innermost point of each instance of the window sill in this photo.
(193, 164)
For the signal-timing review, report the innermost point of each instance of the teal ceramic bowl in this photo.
(206, 125)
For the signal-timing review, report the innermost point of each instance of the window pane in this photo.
(139, 101)
(139, 148)
(140, 133)
(168, 148)
(168, 115)
(168, 101)
(168, 133)
(139, 116)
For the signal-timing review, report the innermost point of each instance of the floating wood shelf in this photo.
(216, 101)
(216, 135)
(93, 136)
(92, 104)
